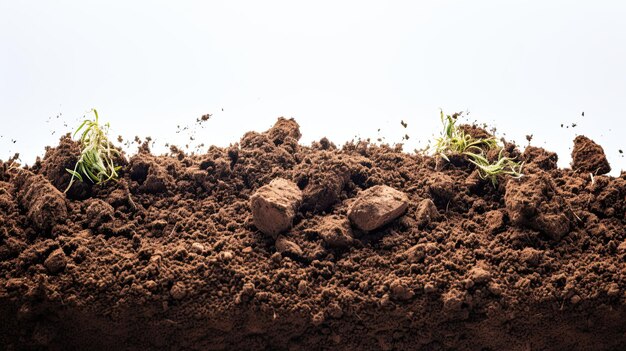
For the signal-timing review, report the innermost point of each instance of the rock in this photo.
(56, 261)
(426, 212)
(376, 207)
(336, 232)
(275, 205)
(589, 157)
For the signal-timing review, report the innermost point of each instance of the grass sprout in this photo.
(454, 141)
(492, 170)
(97, 153)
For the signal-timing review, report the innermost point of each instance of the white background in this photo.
(341, 68)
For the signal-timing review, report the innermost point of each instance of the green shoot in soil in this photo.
(454, 141)
(97, 153)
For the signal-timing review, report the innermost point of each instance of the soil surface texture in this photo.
(360, 247)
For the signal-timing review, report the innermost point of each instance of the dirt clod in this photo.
(377, 206)
(426, 212)
(56, 261)
(589, 157)
(275, 205)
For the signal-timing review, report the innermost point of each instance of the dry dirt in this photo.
(169, 258)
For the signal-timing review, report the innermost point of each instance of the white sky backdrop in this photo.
(341, 68)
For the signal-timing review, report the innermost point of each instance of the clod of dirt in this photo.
(283, 129)
(44, 204)
(98, 212)
(335, 231)
(426, 212)
(479, 275)
(324, 186)
(539, 157)
(494, 221)
(57, 160)
(56, 261)
(589, 157)
(178, 291)
(288, 247)
(442, 188)
(532, 201)
(531, 256)
(275, 205)
(377, 206)
(400, 291)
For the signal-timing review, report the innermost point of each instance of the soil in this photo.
(169, 258)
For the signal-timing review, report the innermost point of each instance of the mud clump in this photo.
(589, 157)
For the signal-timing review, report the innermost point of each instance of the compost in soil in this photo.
(170, 256)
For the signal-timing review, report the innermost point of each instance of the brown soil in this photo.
(169, 257)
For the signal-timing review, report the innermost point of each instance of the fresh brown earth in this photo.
(169, 257)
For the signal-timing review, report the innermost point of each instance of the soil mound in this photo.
(377, 249)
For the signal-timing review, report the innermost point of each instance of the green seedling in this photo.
(454, 141)
(491, 171)
(97, 153)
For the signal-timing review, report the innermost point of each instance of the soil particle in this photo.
(56, 261)
(426, 212)
(377, 206)
(275, 205)
(589, 157)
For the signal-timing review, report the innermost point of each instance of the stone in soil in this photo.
(589, 157)
(275, 205)
(377, 206)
